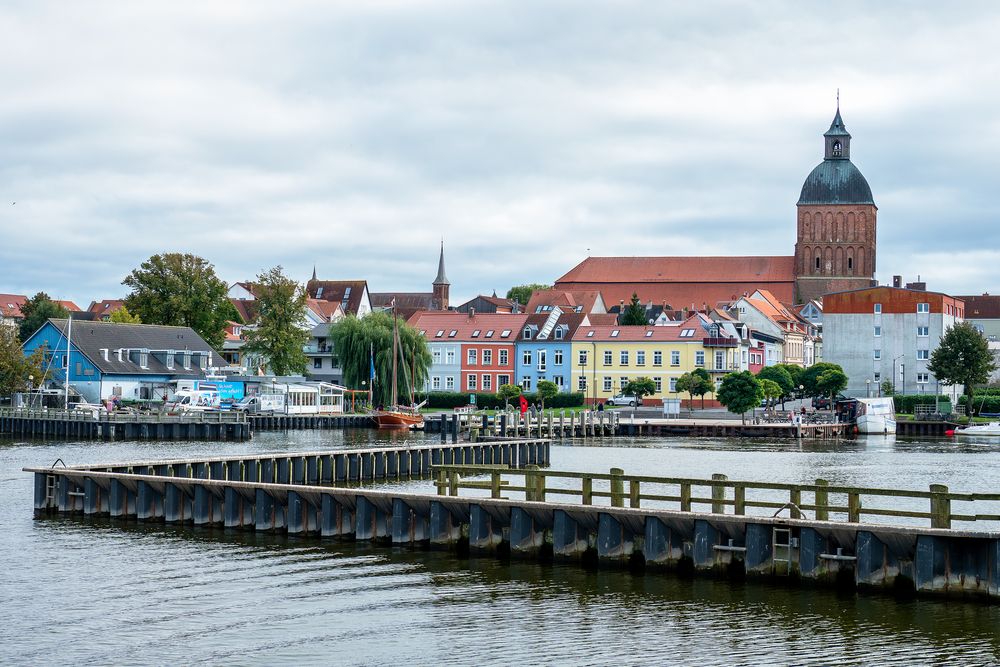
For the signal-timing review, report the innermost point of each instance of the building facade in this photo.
(887, 333)
(545, 350)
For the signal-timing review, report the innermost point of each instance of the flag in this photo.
(524, 404)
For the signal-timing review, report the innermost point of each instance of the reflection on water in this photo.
(98, 592)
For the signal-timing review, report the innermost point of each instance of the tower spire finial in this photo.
(314, 272)
(838, 99)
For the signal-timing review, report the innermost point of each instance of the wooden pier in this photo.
(86, 425)
(713, 527)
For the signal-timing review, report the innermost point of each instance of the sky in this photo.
(356, 136)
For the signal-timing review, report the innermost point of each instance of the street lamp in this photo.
(31, 383)
(583, 374)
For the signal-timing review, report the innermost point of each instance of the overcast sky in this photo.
(356, 135)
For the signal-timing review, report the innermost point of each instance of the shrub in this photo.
(904, 404)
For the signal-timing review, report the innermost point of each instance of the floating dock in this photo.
(318, 493)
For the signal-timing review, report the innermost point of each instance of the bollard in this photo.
(718, 494)
(617, 487)
(854, 507)
(822, 500)
(940, 507)
(454, 428)
(444, 427)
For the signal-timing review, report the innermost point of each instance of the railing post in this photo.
(854, 507)
(940, 507)
(718, 494)
(822, 500)
(441, 486)
(495, 484)
(617, 488)
(633, 491)
(453, 478)
(530, 484)
(588, 491)
(795, 501)
(685, 496)
(739, 499)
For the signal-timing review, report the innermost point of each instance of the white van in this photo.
(195, 400)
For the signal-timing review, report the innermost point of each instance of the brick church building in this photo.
(834, 250)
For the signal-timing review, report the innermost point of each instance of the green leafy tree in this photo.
(831, 382)
(740, 392)
(964, 358)
(640, 387)
(180, 290)
(522, 293)
(795, 372)
(811, 375)
(888, 388)
(279, 336)
(547, 390)
(772, 390)
(704, 384)
(508, 392)
(122, 316)
(36, 311)
(634, 313)
(354, 339)
(16, 368)
(781, 377)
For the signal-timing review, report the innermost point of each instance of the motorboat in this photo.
(876, 415)
(991, 428)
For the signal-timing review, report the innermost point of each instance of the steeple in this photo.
(441, 279)
(837, 139)
(314, 273)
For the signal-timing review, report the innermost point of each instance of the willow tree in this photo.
(354, 342)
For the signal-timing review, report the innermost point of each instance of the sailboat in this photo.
(398, 416)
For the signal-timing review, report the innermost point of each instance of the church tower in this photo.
(835, 246)
(441, 286)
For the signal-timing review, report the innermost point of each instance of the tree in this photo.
(354, 339)
(36, 311)
(547, 389)
(781, 377)
(772, 390)
(16, 368)
(704, 385)
(811, 375)
(888, 388)
(634, 313)
(279, 335)
(122, 316)
(963, 357)
(639, 387)
(795, 372)
(831, 382)
(508, 392)
(740, 392)
(180, 290)
(522, 293)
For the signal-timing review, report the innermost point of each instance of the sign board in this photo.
(671, 407)
(472, 399)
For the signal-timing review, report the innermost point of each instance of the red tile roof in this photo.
(10, 304)
(247, 309)
(327, 309)
(981, 307)
(571, 320)
(69, 305)
(640, 333)
(430, 322)
(105, 307)
(568, 300)
(334, 290)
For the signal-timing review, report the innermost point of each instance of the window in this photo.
(557, 358)
(436, 354)
(503, 379)
(436, 382)
(503, 357)
(505, 333)
(720, 359)
(878, 331)
(526, 358)
(623, 358)
(699, 358)
(659, 384)
(649, 334)
(622, 381)
(451, 355)
(878, 377)
(471, 382)
(489, 334)
(487, 383)
(850, 263)
(878, 354)
(878, 308)
(581, 383)
(527, 333)
(559, 333)
(673, 385)
(526, 383)
(471, 358)
(439, 333)
(923, 378)
(675, 357)
(541, 360)
(559, 382)
(317, 363)
(923, 355)
(452, 333)
(590, 334)
(583, 358)
(487, 357)
(817, 264)
(607, 357)
(687, 333)
(449, 383)
(607, 383)
(924, 331)
(640, 358)
(614, 333)
(923, 307)
(657, 358)
(475, 334)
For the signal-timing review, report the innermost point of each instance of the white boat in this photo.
(992, 428)
(876, 415)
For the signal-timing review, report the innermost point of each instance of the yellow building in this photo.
(606, 358)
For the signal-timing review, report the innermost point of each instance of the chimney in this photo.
(897, 281)
(472, 312)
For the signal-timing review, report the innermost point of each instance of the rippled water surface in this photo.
(97, 592)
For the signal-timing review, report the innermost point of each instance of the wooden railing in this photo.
(129, 416)
(826, 502)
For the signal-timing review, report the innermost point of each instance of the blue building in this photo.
(131, 361)
(544, 347)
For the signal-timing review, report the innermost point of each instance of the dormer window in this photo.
(837, 149)
(527, 333)
(559, 334)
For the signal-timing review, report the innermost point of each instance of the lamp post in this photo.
(868, 388)
(31, 383)
(583, 374)
(902, 373)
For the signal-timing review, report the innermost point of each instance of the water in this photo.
(96, 592)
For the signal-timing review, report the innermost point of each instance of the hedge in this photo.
(982, 403)
(904, 403)
(453, 399)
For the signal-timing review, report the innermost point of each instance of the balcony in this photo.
(720, 341)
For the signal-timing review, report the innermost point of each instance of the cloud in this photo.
(356, 136)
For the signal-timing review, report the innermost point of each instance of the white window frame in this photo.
(623, 358)
(487, 357)
(557, 358)
(471, 357)
(923, 307)
(471, 382)
(449, 383)
(607, 383)
(675, 357)
(503, 357)
(608, 357)
(657, 358)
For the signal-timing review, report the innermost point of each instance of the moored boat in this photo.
(398, 416)
(992, 428)
(876, 415)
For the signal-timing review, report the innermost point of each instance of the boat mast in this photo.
(69, 335)
(395, 352)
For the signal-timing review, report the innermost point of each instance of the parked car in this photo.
(622, 399)
(821, 402)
